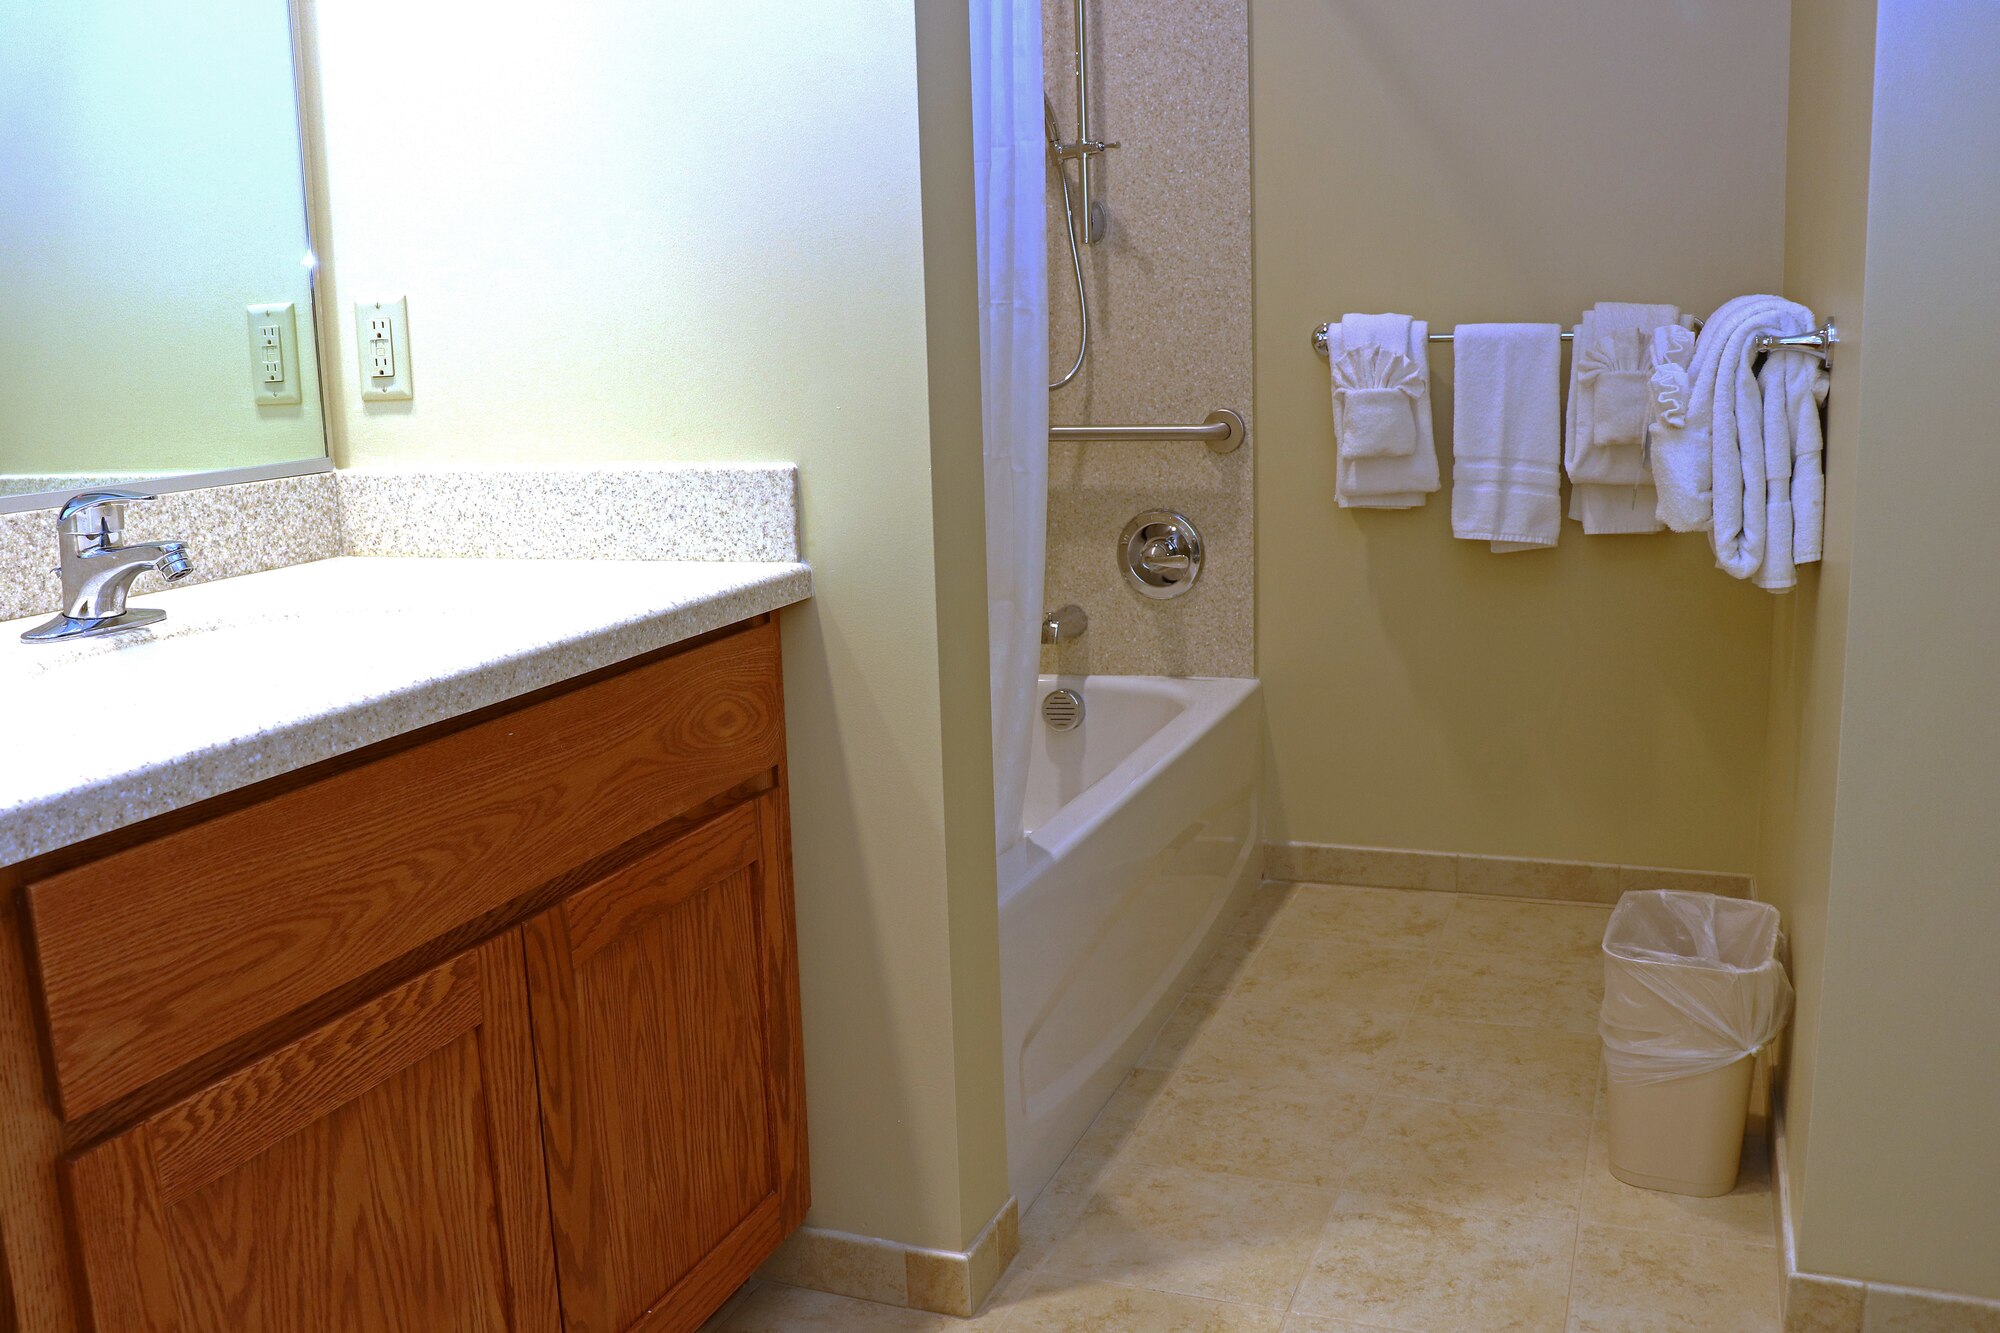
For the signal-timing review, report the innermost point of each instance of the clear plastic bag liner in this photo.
(1691, 984)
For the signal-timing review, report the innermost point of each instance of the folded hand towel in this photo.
(1713, 473)
(1506, 475)
(1391, 481)
(1610, 406)
(1375, 393)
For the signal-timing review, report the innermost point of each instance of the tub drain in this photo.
(1062, 710)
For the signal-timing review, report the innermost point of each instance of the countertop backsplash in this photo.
(692, 512)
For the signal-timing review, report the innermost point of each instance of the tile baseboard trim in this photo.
(1498, 876)
(949, 1282)
(1818, 1303)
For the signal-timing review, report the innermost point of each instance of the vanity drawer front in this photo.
(162, 953)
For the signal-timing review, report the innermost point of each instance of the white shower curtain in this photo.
(1008, 166)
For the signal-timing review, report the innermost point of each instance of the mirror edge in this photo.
(174, 481)
(326, 331)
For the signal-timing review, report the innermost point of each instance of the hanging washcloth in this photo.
(1375, 393)
(1364, 480)
(1506, 472)
(1716, 473)
(1610, 407)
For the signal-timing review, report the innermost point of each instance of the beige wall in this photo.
(151, 192)
(1170, 330)
(601, 267)
(1604, 701)
(1900, 1172)
(1826, 211)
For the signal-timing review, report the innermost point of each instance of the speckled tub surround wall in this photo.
(230, 530)
(1170, 330)
(747, 512)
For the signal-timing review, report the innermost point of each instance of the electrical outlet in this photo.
(274, 354)
(382, 335)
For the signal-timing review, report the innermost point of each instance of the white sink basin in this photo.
(250, 677)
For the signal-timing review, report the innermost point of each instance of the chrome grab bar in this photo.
(1222, 432)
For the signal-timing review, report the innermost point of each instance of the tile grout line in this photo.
(1576, 1240)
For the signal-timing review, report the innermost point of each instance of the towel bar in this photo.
(1820, 342)
(1221, 432)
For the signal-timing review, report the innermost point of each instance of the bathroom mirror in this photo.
(156, 261)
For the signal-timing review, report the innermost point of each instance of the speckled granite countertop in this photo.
(255, 676)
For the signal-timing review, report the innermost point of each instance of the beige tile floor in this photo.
(1376, 1109)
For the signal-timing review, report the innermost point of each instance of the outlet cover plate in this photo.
(274, 354)
(371, 320)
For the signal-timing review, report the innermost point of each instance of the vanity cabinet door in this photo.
(382, 1172)
(666, 1033)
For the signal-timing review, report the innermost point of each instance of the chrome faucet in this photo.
(1068, 623)
(97, 572)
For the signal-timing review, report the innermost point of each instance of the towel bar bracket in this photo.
(1820, 342)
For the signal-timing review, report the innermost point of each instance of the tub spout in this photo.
(1064, 625)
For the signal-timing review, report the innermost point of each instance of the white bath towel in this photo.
(1391, 481)
(1610, 408)
(1506, 472)
(1714, 471)
(1793, 385)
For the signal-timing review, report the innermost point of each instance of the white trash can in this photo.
(1692, 991)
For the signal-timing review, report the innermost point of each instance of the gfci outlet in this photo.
(382, 337)
(274, 354)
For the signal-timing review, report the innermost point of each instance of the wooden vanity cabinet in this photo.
(572, 1101)
(670, 1100)
(381, 1172)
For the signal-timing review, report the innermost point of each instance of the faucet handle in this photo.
(88, 500)
(108, 505)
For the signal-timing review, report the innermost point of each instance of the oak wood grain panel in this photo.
(32, 1244)
(715, 1278)
(622, 902)
(411, 1198)
(785, 1054)
(231, 1121)
(373, 1218)
(9, 1321)
(653, 1047)
(169, 949)
(121, 1239)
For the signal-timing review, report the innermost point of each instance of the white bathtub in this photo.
(1141, 824)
